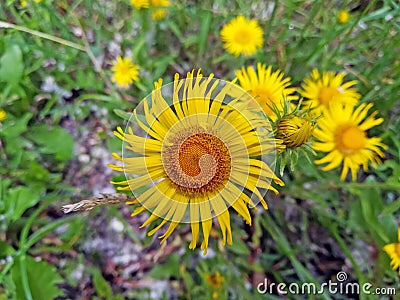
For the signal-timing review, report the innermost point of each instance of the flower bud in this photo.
(294, 131)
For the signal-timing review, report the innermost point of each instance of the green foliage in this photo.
(11, 65)
(55, 141)
(170, 269)
(101, 285)
(35, 279)
(17, 200)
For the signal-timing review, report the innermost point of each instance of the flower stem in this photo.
(43, 35)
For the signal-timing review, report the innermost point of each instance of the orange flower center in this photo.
(350, 139)
(194, 156)
(326, 94)
(215, 280)
(197, 163)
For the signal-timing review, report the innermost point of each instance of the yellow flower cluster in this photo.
(200, 152)
(325, 95)
(343, 123)
(158, 12)
(198, 145)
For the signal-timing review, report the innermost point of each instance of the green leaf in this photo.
(371, 202)
(43, 231)
(5, 249)
(4, 184)
(392, 207)
(204, 31)
(371, 206)
(55, 140)
(123, 114)
(41, 277)
(167, 270)
(17, 152)
(35, 173)
(18, 200)
(162, 64)
(102, 287)
(11, 65)
(388, 225)
(9, 288)
(15, 126)
(174, 28)
(284, 159)
(356, 220)
(294, 159)
(114, 144)
(239, 247)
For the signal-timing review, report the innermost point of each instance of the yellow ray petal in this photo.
(206, 223)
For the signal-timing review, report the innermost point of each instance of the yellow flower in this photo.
(138, 4)
(268, 88)
(3, 115)
(159, 14)
(195, 145)
(125, 72)
(393, 250)
(242, 36)
(294, 130)
(24, 3)
(343, 16)
(215, 280)
(319, 90)
(342, 131)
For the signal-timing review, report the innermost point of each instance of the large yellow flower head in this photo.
(242, 36)
(269, 88)
(125, 72)
(319, 90)
(393, 250)
(196, 147)
(342, 132)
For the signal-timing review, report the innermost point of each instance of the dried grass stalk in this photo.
(102, 199)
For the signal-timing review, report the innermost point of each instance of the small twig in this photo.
(89, 52)
(103, 199)
(85, 48)
(42, 35)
